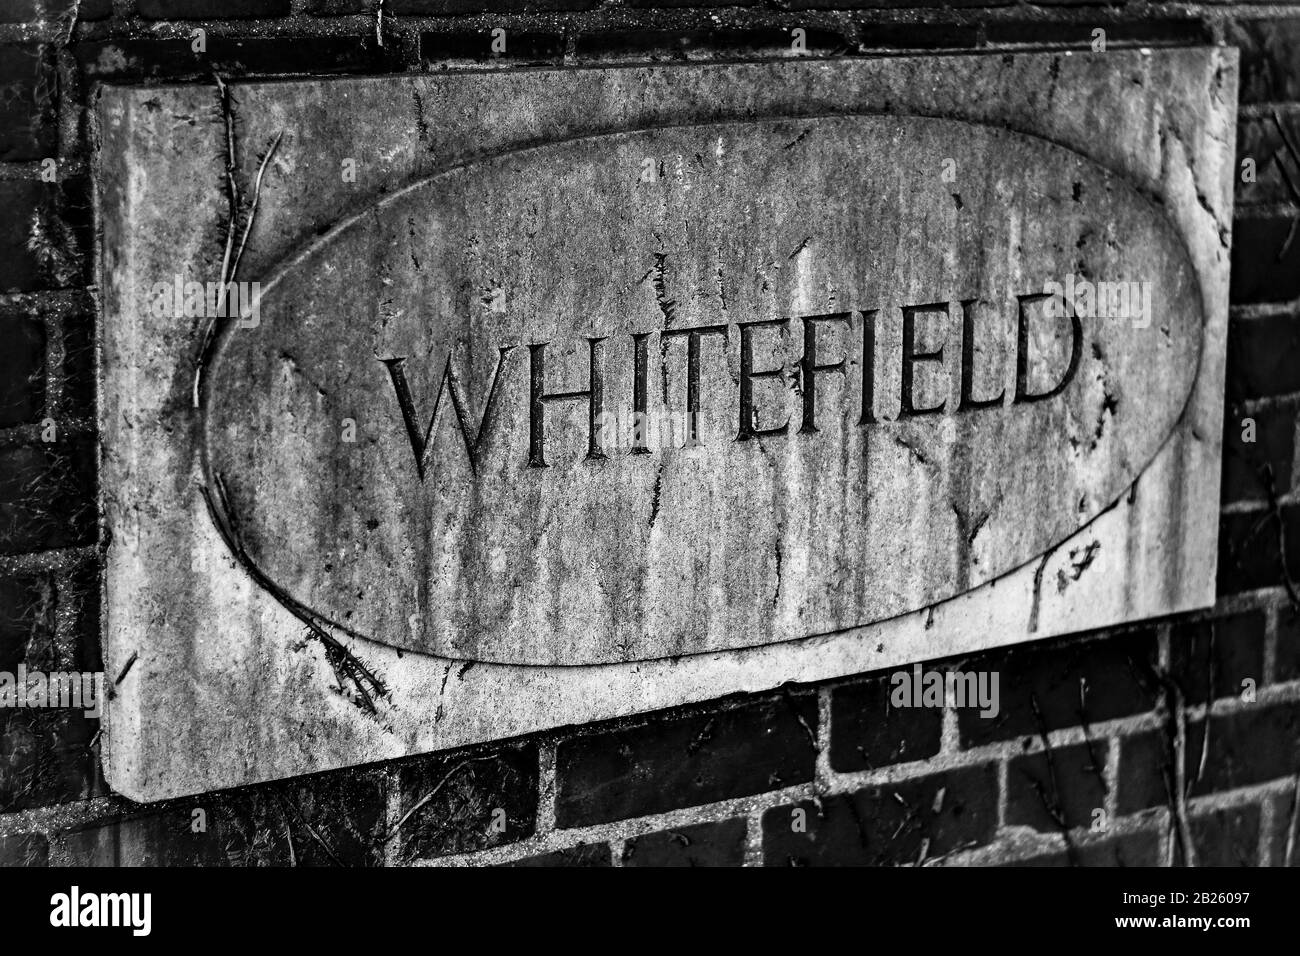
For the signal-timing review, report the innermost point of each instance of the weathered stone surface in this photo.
(768, 500)
(496, 225)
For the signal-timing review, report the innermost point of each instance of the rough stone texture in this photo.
(245, 648)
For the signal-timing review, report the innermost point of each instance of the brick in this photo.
(679, 44)
(1150, 31)
(705, 844)
(1046, 686)
(442, 8)
(932, 36)
(1286, 659)
(1264, 139)
(336, 819)
(338, 8)
(1270, 50)
(41, 234)
(29, 849)
(1249, 746)
(79, 367)
(27, 86)
(45, 758)
(136, 59)
(867, 732)
(1244, 462)
(27, 609)
(1225, 837)
(666, 4)
(31, 11)
(1138, 848)
(47, 495)
(588, 854)
(885, 4)
(674, 762)
(522, 46)
(1265, 259)
(22, 370)
(886, 826)
(1259, 356)
(158, 839)
(1283, 838)
(1063, 786)
(211, 9)
(1145, 776)
(1248, 549)
(1228, 650)
(471, 801)
(22, 201)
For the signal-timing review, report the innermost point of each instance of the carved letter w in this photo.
(422, 442)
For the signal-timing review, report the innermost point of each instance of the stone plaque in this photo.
(445, 408)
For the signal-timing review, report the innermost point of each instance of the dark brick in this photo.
(1248, 549)
(1249, 746)
(1045, 686)
(1265, 259)
(887, 826)
(588, 854)
(679, 44)
(1139, 848)
(1145, 776)
(135, 59)
(462, 814)
(440, 8)
(1264, 139)
(22, 200)
(665, 4)
(1283, 839)
(45, 758)
(29, 11)
(27, 609)
(1063, 786)
(44, 228)
(1151, 31)
(27, 87)
(1229, 649)
(1260, 357)
(29, 849)
(211, 9)
(158, 839)
(521, 45)
(47, 495)
(867, 732)
(886, 4)
(1226, 837)
(1286, 659)
(338, 8)
(1244, 462)
(79, 367)
(931, 36)
(674, 762)
(705, 844)
(1270, 50)
(336, 819)
(22, 370)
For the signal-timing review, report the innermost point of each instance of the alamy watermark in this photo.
(1129, 301)
(921, 688)
(69, 690)
(179, 299)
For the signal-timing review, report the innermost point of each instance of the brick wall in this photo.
(1095, 732)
